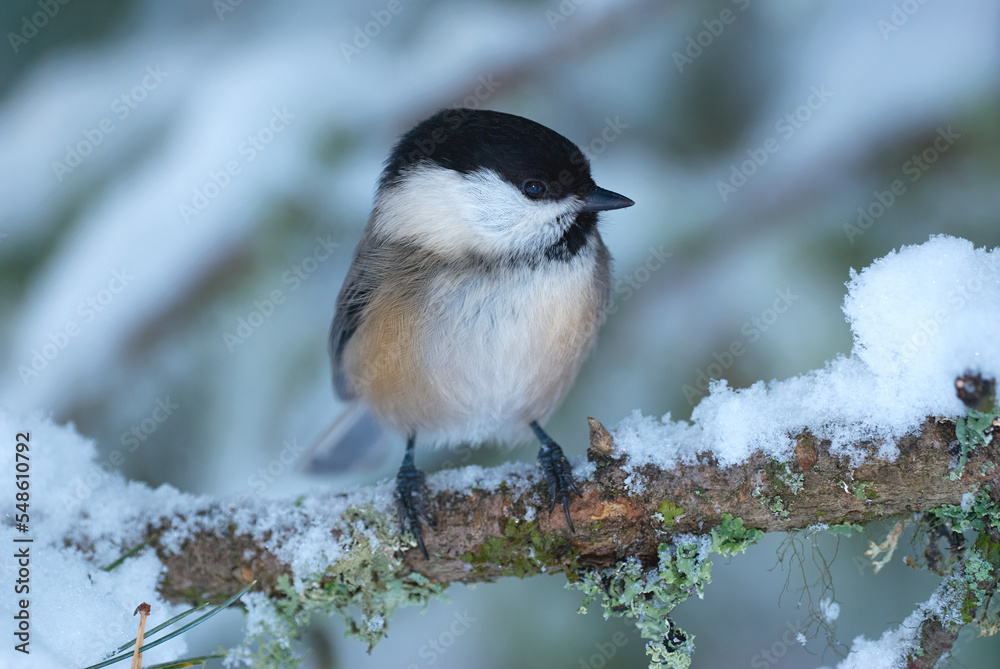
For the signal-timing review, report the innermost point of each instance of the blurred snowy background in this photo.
(182, 185)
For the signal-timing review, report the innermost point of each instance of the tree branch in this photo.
(613, 524)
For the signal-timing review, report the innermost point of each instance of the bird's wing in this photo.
(355, 296)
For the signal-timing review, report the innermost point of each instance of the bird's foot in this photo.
(410, 507)
(559, 477)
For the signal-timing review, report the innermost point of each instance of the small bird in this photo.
(475, 292)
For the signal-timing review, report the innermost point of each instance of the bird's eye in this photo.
(533, 188)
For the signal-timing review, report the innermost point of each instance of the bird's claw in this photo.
(410, 506)
(559, 477)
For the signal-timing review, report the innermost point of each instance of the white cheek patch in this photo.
(452, 213)
(506, 220)
(426, 208)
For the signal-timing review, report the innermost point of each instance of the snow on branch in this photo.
(614, 524)
(502, 526)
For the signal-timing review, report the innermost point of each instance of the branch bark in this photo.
(613, 524)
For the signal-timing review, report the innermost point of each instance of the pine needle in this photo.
(197, 621)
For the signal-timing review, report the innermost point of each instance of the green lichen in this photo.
(775, 505)
(977, 514)
(649, 595)
(977, 569)
(845, 529)
(361, 585)
(980, 564)
(965, 594)
(524, 551)
(669, 511)
(779, 480)
(731, 537)
(861, 490)
(972, 431)
(980, 575)
(783, 479)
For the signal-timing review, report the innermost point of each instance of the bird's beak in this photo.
(599, 199)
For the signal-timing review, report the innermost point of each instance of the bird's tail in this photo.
(354, 441)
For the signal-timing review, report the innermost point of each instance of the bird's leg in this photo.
(410, 492)
(558, 473)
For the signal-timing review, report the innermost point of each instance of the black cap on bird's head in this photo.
(538, 161)
(490, 184)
